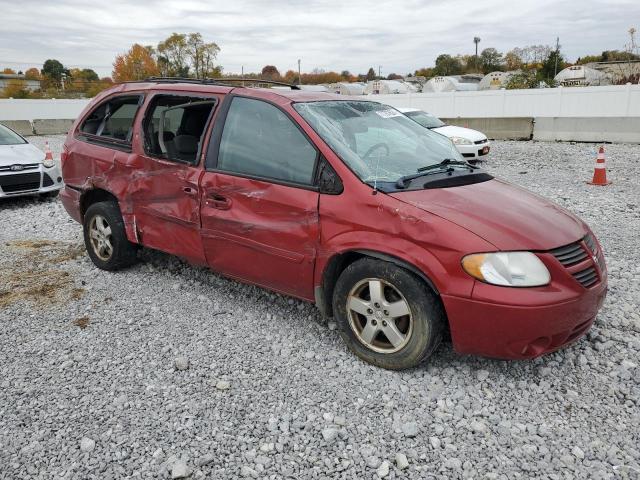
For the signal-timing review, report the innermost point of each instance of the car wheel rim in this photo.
(379, 315)
(100, 237)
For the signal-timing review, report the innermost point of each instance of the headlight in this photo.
(509, 269)
(48, 162)
(461, 141)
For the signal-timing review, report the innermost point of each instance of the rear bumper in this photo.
(520, 331)
(70, 199)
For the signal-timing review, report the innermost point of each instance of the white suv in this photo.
(473, 145)
(24, 170)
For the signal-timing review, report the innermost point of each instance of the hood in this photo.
(509, 217)
(21, 154)
(453, 131)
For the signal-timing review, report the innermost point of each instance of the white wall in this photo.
(27, 109)
(609, 101)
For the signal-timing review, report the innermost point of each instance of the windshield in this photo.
(425, 119)
(9, 137)
(376, 141)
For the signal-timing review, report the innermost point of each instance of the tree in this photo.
(15, 89)
(172, 55)
(491, 60)
(32, 74)
(526, 79)
(53, 71)
(513, 61)
(447, 65)
(202, 55)
(425, 72)
(291, 77)
(550, 67)
(371, 74)
(270, 72)
(136, 64)
(9, 71)
(394, 76)
(345, 74)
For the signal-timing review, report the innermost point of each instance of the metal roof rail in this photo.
(217, 81)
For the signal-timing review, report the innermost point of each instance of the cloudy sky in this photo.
(353, 35)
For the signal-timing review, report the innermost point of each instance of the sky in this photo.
(399, 36)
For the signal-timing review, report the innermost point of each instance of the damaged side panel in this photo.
(260, 232)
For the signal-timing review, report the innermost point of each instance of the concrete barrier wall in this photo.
(609, 101)
(517, 128)
(583, 129)
(51, 126)
(23, 127)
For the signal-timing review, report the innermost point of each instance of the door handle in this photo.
(218, 201)
(190, 191)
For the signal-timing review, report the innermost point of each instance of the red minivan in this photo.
(343, 202)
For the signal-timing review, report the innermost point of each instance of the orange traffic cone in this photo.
(600, 172)
(47, 152)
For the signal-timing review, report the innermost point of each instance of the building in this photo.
(619, 71)
(495, 80)
(454, 83)
(7, 79)
(582, 76)
(348, 88)
(382, 87)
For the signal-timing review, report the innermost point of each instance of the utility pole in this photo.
(379, 71)
(299, 75)
(555, 71)
(476, 40)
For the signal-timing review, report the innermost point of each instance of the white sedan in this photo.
(473, 145)
(24, 170)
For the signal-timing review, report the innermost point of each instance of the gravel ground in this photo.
(168, 370)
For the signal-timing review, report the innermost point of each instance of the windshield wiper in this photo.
(446, 164)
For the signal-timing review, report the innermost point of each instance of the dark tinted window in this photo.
(260, 140)
(174, 126)
(113, 119)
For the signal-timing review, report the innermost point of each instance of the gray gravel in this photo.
(130, 375)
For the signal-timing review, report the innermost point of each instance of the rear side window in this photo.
(174, 126)
(260, 140)
(113, 119)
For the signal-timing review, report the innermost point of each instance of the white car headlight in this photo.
(508, 269)
(48, 162)
(461, 141)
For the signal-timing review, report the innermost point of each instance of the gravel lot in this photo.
(166, 370)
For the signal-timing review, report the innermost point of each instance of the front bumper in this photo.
(514, 324)
(475, 151)
(33, 179)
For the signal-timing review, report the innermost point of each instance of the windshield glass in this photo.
(8, 137)
(425, 119)
(376, 141)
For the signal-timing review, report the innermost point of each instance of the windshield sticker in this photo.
(388, 113)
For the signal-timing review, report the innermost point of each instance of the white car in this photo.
(24, 169)
(473, 145)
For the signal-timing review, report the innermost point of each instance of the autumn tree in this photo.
(52, 73)
(291, 77)
(15, 89)
(32, 74)
(173, 55)
(9, 71)
(270, 72)
(202, 55)
(136, 64)
(513, 61)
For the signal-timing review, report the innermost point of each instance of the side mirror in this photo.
(329, 182)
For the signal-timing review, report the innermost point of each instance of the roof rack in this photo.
(218, 81)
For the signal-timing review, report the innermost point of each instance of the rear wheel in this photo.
(387, 315)
(105, 237)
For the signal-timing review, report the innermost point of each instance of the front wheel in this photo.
(105, 237)
(388, 316)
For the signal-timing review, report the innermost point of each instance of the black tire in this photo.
(428, 317)
(49, 195)
(123, 253)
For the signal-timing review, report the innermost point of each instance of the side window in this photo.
(259, 139)
(174, 126)
(113, 119)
